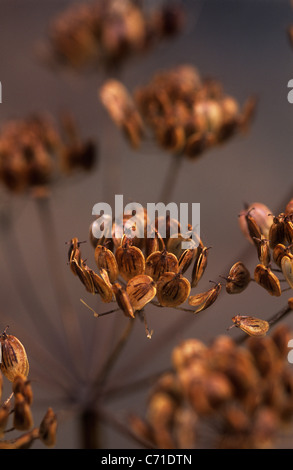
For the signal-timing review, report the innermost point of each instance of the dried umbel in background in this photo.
(34, 152)
(184, 113)
(221, 395)
(104, 33)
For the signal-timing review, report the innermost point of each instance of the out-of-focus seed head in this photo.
(22, 417)
(187, 352)
(48, 428)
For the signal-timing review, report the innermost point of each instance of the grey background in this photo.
(243, 44)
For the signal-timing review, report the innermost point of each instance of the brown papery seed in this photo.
(205, 299)
(172, 289)
(141, 290)
(238, 278)
(267, 279)
(14, 357)
(251, 325)
(105, 259)
(130, 261)
(123, 300)
(287, 269)
(160, 262)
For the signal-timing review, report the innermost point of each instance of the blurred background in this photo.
(243, 44)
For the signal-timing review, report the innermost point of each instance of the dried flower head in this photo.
(187, 115)
(34, 153)
(242, 393)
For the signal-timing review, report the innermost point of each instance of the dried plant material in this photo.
(188, 351)
(122, 109)
(102, 286)
(251, 325)
(34, 152)
(200, 264)
(22, 417)
(255, 221)
(4, 416)
(172, 289)
(186, 259)
(277, 231)
(263, 250)
(287, 269)
(22, 386)
(130, 261)
(123, 300)
(141, 290)
(267, 279)
(205, 299)
(105, 259)
(237, 279)
(279, 251)
(160, 262)
(74, 256)
(48, 428)
(14, 357)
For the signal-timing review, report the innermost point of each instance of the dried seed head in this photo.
(267, 279)
(105, 259)
(251, 325)
(140, 289)
(22, 417)
(172, 289)
(48, 428)
(160, 262)
(130, 261)
(205, 299)
(287, 269)
(238, 278)
(255, 221)
(123, 300)
(14, 358)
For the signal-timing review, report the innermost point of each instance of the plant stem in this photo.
(68, 315)
(171, 178)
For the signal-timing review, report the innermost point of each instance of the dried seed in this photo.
(105, 259)
(140, 290)
(22, 385)
(130, 261)
(263, 250)
(200, 264)
(267, 279)
(238, 278)
(22, 416)
(277, 231)
(251, 325)
(102, 285)
(205, 299)
(14, 357)
(48, 428)
(186, 259)
(262, 218)
(287, 269)
(74, 256)
(160, 262)
(123, 300)
(84, 274)
(172, 289)
(288, 224)
(279, 251)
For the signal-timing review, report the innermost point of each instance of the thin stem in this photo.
(171, 178)
(68, 315)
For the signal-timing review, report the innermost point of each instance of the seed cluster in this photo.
(33, 151)
(184, 113)
(14, 366)
(222, 395)
(133, 271)
(105, 33)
